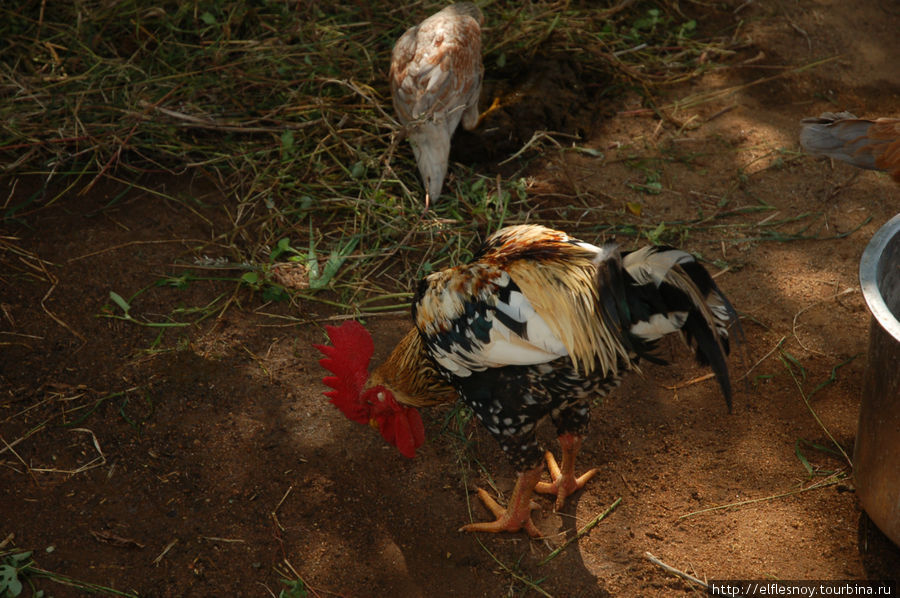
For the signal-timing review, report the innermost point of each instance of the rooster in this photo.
(870, 144)
(436, 75)
(536, 325)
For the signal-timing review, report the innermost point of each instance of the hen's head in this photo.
(348, 359)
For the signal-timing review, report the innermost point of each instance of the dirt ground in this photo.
(207, 462)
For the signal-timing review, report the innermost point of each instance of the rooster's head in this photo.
(348, 359)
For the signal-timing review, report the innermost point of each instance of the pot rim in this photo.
(869, 280)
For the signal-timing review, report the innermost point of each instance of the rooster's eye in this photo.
(380, 396)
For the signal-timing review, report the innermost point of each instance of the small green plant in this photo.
(126, 305)
(18, 569)
(487, 200)
(646, 24)
(295, 589)
(319, 276)
(456, 421)
(667, 234)
(793, 366)
(652, 184)
(802, 443)
(271, 291)
(655, 27)
(13, 565)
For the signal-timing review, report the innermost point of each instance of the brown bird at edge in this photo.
(537, 325)
(436, 75)
(869, 144)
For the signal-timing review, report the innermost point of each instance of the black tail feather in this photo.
(709, 351)
(668, 291)
(711, 345)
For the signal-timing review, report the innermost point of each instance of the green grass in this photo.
(285, 107)
(19, 571)
(798, 375)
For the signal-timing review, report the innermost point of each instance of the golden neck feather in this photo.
(411, 376)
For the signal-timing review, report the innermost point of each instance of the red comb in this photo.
(348, 359)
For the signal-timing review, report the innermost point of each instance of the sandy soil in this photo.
(206, 468)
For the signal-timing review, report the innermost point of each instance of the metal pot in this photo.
(876, 456)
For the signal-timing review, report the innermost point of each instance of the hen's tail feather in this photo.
(669, 291)
(865, 143)
(841, 136)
